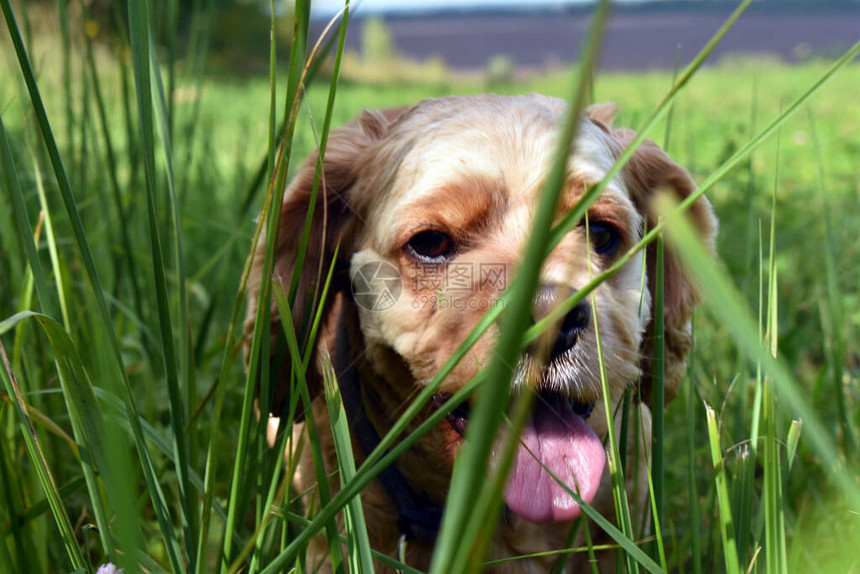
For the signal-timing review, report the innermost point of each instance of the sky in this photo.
(328, 7)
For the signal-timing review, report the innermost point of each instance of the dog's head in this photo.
(427, 211)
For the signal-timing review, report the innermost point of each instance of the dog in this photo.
(423, 215)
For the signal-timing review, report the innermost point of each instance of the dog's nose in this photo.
(572, 325)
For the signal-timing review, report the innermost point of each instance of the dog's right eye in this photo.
(605, 237)
(431, 245)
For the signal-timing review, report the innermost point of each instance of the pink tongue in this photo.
(568, 447)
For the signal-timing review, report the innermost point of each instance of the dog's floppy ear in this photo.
(604, 113)
(648, 172)
(332, 224)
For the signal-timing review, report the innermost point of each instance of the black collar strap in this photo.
(418, 519)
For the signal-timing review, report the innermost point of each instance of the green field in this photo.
(804, 180)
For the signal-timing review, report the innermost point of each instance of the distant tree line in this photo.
(233, 34)
(648, 7)
(761, 6)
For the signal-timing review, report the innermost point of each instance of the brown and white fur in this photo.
(472, 168)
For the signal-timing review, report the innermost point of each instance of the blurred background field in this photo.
(214, 64)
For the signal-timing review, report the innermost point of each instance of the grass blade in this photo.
(837, 346)
(143, 64)
(634, 554)
(616, 469)
(154, 489)
(50, 239)
(567, 223)
(791, 443)
(185, 366)
(40, 465)
(121, 213)
(299, 74)
(727, 533)
(273, 95)
(469, 474)
(337, 559)
(379, 556)
(23, 546)
(258, 357)
(573, 217)
(84, 411)
(220, 395)
(360, 559)
(658, 400)
(728, 307)
(22, 223)
(98, 441)
(695, 524)
(772, 495)
(323, 491)
(670, 114)
(68, 93)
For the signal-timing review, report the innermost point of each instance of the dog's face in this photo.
(444, 194)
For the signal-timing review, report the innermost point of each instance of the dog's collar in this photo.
(418, 518)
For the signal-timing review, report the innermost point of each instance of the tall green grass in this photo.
(129, 432)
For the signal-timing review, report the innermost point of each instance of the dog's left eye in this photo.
(605, 237)
(431, 245)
